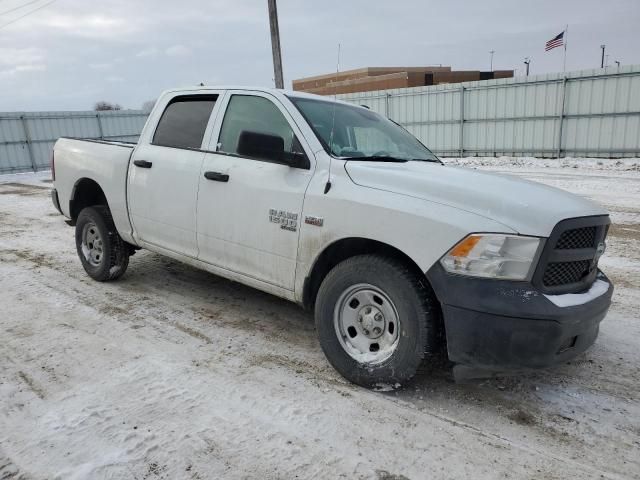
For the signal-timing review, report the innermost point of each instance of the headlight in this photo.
(493, 256)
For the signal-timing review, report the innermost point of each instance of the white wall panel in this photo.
(27, 138)
(515, 116)
(593, 112)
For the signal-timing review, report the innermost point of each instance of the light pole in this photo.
(275, 44)
(527, 61)
(491, 67)
(618, 63)
(602, 59)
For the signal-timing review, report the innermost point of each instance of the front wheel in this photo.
(376, 321)
(103, 253)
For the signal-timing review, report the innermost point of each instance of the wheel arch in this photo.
(345, 248)
(86, 192)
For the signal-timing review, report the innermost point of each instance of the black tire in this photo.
(113, 261)
(417, 315)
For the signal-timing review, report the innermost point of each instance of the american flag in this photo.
(554, 42)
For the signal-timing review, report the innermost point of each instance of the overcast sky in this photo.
(72, 53)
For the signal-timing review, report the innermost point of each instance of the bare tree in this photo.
(102, 106)
(148, 105)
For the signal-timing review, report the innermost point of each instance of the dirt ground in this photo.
(174, 373)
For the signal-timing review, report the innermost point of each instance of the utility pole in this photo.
(527, 61)
(275, 44)
(491, 67)
(602, 60)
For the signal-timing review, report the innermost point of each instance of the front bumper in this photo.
(508, 325)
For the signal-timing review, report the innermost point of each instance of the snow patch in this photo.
(40, 178)
(599, 287)
(385, 387)
(582, 163)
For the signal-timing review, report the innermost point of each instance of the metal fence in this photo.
(27, 138)
(593, 113)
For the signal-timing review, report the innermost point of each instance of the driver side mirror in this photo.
(297, 160)
(271, 148)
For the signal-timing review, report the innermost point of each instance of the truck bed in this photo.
(104, 162)
(121, 143)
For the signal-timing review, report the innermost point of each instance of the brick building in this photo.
(383, 78)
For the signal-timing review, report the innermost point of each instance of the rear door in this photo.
(165, 172)
(250, 208)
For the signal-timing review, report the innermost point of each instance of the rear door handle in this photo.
(142, 163)
(216, 176)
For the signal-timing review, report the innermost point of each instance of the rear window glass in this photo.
(184, 121)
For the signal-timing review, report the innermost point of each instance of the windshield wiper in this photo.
(432, 160)
(388, 158)
(377, 158)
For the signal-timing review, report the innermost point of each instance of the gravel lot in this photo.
(175, 373)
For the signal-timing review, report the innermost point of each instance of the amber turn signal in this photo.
(463, 248)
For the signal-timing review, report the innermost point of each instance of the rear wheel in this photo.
(103, 253)
(376, 320)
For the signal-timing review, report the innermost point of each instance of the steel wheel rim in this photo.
(366, 323)
(92, 245)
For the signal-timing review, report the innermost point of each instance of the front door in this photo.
(250, 207)
(165, 173)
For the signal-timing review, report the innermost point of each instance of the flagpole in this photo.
(564, 61)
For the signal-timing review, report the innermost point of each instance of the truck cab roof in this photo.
(273, 91)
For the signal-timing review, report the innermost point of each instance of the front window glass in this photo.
(247, 113)
(358, 132)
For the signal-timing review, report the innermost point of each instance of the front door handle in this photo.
(216, 176)
(142, 163)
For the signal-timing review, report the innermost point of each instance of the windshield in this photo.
(358, 132)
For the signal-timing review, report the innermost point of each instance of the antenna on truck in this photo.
(327, 187)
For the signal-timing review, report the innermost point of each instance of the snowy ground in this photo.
(175, 373)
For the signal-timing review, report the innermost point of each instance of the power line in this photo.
(18, 7)
(27, 14)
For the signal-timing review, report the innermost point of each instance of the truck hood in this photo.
(527, 207)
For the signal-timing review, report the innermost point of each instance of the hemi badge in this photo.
(317, 221)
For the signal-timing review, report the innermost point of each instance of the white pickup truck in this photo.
(341, 210)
